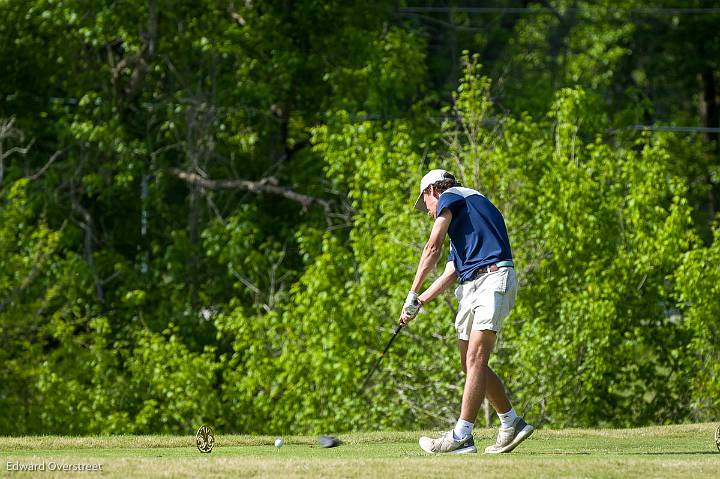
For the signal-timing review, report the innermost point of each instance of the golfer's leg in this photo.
(496, 394)
(463, 347)
(494, 388)
(480, 347)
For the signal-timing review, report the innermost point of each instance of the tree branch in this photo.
(9, 132)
(42, 170)
(265, 185)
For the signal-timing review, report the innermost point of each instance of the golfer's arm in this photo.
(432, 250)
(440, 284)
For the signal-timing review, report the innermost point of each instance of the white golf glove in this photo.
(412, 305)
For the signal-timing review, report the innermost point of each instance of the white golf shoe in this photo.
(447, 443)
(509, 438)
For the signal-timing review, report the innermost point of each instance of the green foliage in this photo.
(306, 362)
(592, 339)
(169, 385)
(28, 256)
(698, 280)
(134, 299)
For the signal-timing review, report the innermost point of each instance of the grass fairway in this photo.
(686, 451)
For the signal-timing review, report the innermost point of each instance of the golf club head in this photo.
(329, 441)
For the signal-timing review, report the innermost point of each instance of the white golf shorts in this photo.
(485, 302)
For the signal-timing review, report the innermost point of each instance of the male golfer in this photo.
(481, 260)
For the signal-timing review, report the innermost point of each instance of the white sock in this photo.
(507, 418)
(462, 429)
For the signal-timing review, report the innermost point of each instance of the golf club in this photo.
(329, 441)
(367, 378)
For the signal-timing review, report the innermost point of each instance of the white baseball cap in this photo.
(433, 176)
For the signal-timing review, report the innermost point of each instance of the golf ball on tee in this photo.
(279, 442)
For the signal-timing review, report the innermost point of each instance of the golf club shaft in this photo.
(395, 333)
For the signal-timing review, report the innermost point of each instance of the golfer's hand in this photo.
(404, 320)
(410, 308)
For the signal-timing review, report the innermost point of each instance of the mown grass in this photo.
(668, 451)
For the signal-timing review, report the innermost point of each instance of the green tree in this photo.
(592, 337)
